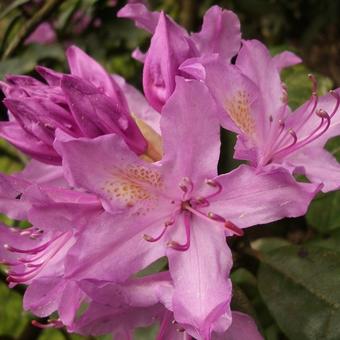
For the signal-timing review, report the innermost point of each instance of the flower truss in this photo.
(117, 181)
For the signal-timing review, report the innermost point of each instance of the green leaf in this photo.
(28, 60)
(269, 243)
(323, 213)
(13, 6)
(240, 301)
(12, 318)
(10, 160)
(333, 146)
(300, 286)
(154, 267)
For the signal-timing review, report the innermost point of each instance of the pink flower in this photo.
(44, 34)
(253, 103)
(36, 256)
(171, 45)
(87, 103)
(120, 308)
(180, 205)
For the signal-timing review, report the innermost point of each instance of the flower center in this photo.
(190, 206)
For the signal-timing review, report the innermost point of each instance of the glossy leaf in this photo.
(300, 286)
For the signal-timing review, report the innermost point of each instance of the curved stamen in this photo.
(214, 184)
(182, 247)
(32, 251)
(200, 202)
(167, 223)
(49, 324)
(314, 83)
(155, 239)
(217, 218)
(45, 255)
(337, 97)
(186, 186)
(313, 136)
(313, 100)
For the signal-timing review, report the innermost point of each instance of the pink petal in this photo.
(168, 49)
(202, 290)
(190, 131)
(249, 197)
(220, 33)
(142, 17)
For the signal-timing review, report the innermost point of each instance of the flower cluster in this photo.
(117, 181)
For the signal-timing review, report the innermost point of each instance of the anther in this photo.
(49, 324)
(211, 182)
(232, 227)
(322, 114)
(314, 84)
(186, 184)
(216, 217)
(293, 134)
(176, 246)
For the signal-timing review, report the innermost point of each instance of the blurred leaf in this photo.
(12, 6)
(146, 333)
(300, 286)
(269, 243)
(240, 302)
(323, 213)
(10, 160)
(333, 146)
(331, 241)
(29, 59)
(51, 334)
(9, 29)
(12, 317)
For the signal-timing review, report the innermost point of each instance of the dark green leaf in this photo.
(300, 286)
(12, 317)
(12, 6)
(323, 213)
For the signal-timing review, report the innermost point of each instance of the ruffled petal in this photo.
(249, 197)
(220, 33)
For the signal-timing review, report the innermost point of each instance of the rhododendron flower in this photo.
(44, 34)
(180, 205)
(139, 302)
(171, 45)
(36, 255)
(86, 103)
(253, 103)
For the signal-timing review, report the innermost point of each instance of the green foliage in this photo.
(12, 317)
(299, 284)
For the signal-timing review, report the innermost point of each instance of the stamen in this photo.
(201, 202)
(49, 324)
(214, 184)
(314, 84)
(186, 186)
(182, 247)
(217, 218)
(236, 230)
(337, 97)
(168, 223)
(155, 239)
(293, 134)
